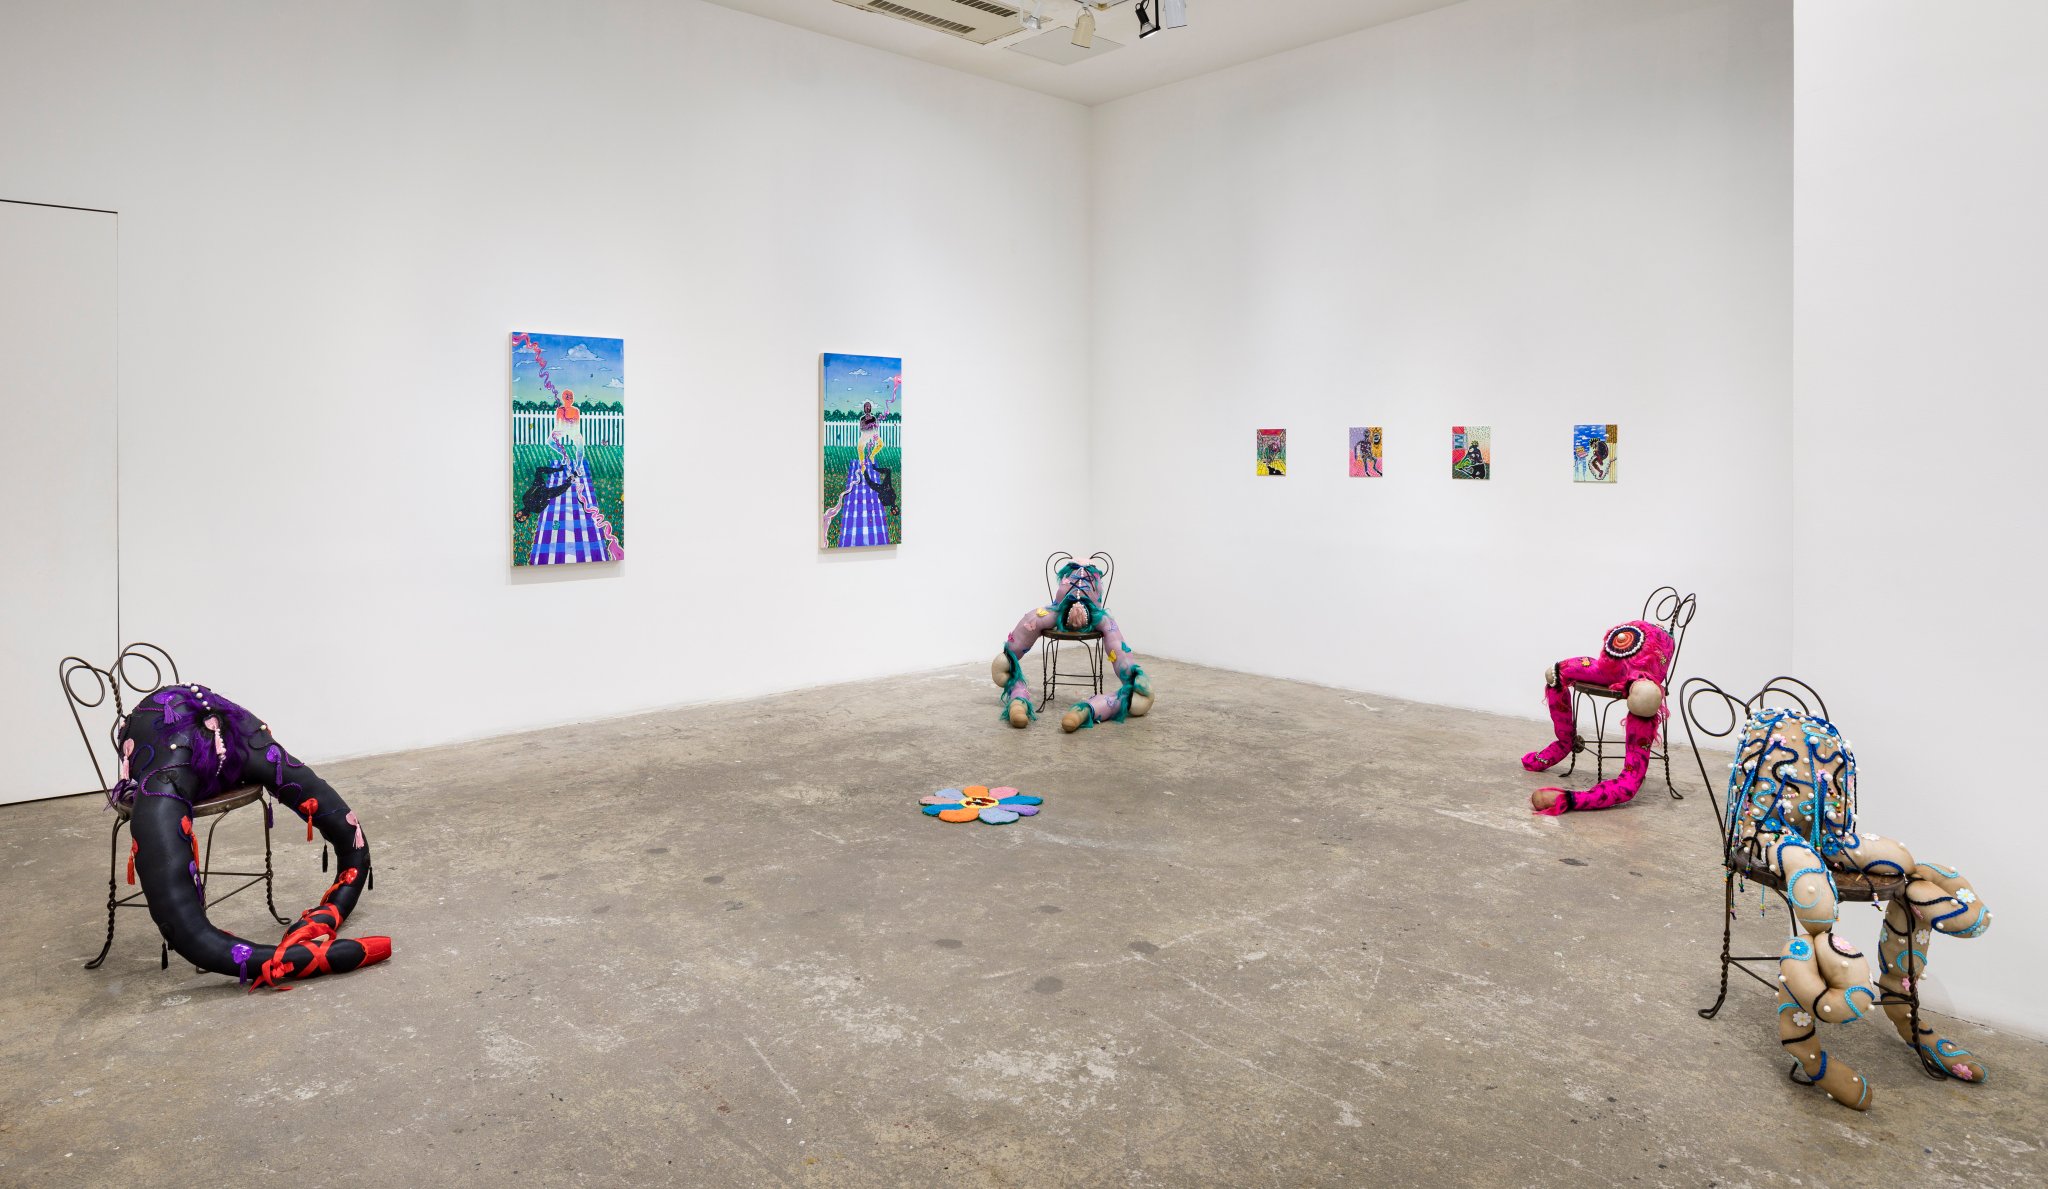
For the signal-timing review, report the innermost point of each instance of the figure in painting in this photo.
(1365, 453)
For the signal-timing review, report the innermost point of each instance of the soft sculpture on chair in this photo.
(1792, 811)
(1635, 660)
(186, 744)
(1075, 608)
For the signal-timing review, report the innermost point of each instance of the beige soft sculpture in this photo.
(1792, 807)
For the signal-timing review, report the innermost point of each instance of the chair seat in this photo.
(233, 798)
(1088, 635)
(1599, 691)
(1849, 885)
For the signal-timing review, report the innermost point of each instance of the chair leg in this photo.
(1577, 747)
(1666, 757)
(1600, 740)
(1727, 931)
(269, 882)
(113, 869)
(1048, 671)
(1098, 651)
(206, 864)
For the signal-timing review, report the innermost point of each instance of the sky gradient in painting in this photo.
(851, 379)
(594, 369)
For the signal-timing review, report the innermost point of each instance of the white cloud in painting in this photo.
(614, 382)
(579, 351)
(858, 372)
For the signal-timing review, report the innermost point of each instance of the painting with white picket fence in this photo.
(860, 444)
(568, 449)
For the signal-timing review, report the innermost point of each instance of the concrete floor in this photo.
(1273, 935)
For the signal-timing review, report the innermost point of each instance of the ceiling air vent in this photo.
(978, 21)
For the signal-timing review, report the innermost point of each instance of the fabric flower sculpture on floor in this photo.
(997, 807)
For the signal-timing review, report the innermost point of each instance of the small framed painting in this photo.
(1272, 452)
(1367, 448)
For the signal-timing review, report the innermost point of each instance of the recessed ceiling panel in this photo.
(1219, 34)
(978, 21)
(1058, 47)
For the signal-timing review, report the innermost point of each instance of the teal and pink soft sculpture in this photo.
(995, 807)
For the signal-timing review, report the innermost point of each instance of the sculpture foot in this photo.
(1073, 720)
(1539, 761)
(1847, 1088)
(1961, 1063)
(1141, 705)
(1020, 713)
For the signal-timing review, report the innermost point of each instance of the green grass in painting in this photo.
(607, 478)
(837, 459)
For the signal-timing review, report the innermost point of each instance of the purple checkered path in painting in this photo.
(568, 532)
(862, 518)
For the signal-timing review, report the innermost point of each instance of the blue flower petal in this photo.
(933, 810)
(995, 815)
(1022, 799)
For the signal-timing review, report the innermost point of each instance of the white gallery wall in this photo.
(1515, 213)
(1921, 188)
(331, 216)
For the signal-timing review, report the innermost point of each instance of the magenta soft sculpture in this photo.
(1634, 661)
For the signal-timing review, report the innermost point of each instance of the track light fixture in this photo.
(1148, 18)
(1084, 27)
(1154, 15)
(1033, 20)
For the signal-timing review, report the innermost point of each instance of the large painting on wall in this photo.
(1594, 452)
(1368, 452)
(568, 449)
(1471, 452)
(861, 444)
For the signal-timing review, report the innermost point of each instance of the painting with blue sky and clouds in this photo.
(860, 445)
(568, 449)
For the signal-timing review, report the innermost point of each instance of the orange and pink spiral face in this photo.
(1634, 651)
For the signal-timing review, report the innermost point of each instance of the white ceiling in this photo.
(1220, 33)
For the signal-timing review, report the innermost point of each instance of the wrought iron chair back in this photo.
(1673, 612)
(1789, 692)
(141, 667)
(1102, 560)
